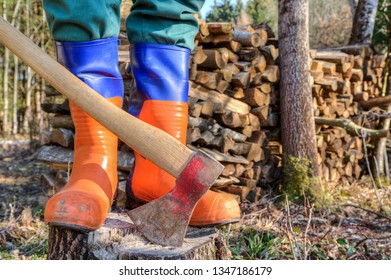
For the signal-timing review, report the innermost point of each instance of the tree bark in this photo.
(381, 149)
(364, 21)
(6, 123)
(5, 126)
(297, 119)
(15, 97)
(15, 124)
(353, 7)
(29, 74)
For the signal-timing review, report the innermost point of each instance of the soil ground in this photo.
(355, 225)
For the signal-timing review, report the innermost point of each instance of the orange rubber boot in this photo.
(149, 182)
(84, 202)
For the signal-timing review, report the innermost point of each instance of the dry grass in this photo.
(352, 226)
(23, 235)
(23, 238)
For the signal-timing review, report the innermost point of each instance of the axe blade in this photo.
(164, 221)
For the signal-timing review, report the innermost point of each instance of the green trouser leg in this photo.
(82, 20)
(150, 21)
(168, 22)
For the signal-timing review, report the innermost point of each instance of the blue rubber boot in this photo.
(84, 202)
(159, 97)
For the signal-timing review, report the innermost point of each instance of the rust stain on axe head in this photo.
(164, 221)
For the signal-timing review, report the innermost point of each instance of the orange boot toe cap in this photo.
(77, 209)
(215, 209)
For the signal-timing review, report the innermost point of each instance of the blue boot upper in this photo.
(95, 63)
(160, 72)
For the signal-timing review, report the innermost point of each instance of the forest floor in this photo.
(356, 224)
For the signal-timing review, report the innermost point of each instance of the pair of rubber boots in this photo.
(160, 74)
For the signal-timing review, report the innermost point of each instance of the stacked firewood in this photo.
(240, 64)
(233, 94)
(342, 79)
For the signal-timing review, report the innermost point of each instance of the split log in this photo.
(224, 181)
(241, 79)
(248, 54)
(262, 112)
(62, 121)
(333, 56)
(255, 97)
(237, 92)
(260, 63)
(226, 102)
(199, 55)
(248, 39)
(62, 158)
(220, 27)
(63, 137)
(381, 101)
(215, 58)
(224, 157)
(61, 109)
(231, 45)
(271, 53)
(271, 73)
(193, 134)
(232, 119)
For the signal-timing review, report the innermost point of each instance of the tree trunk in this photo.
(364, 22)
(6, 123)
(38, 97)
(353, 7)
(15, 125)
(29, 75)
(43, 83)
(381, 149)
(5, 82)
(297, 119)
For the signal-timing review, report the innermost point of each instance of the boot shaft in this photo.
(160, 72)
(95, 63)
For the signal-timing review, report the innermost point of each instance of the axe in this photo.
(163, 221)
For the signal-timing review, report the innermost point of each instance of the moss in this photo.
(299, 181)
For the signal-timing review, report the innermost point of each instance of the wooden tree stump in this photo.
(119, 239)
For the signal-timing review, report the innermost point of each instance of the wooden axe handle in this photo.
(154, 144)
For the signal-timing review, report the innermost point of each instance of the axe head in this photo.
(164, 220)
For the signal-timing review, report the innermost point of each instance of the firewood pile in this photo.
(234, 109)
(233, 104)
(343, 80)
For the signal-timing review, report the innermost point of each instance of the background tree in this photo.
(382, 44)
(6, 62)
(381, 34)
(297, 119)
(330, 21)
(22, 90)
(364, 21)
(263, 11)
(239, 7)
(222, 12)
(353, 6)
